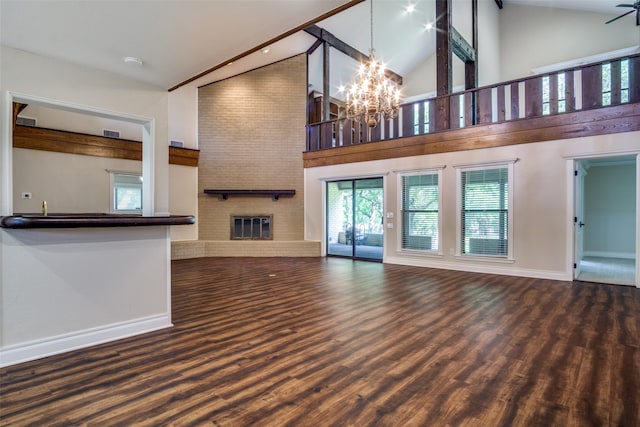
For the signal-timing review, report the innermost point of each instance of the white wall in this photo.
(533, 37)
(68, 182)
(38, 76)
(51, 118)
(183, 200)
(422, 79)
(542, 207)
(610, 211)
(73, 183)
(183, 115)
(63, 289)
(68, 288)
(489, 36)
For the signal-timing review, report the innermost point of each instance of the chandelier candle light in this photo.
(372, 97)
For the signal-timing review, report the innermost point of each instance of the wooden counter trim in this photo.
(91, 220)
(75, 143)
(183, 156)
(91, 145)
(609, 120)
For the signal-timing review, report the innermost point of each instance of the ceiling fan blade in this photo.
(638, 17)
(621, 16)
(624, 5)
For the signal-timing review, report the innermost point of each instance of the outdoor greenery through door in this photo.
(355, 214)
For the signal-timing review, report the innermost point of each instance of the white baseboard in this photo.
(622, 255)
(24, 352)
(488, 268)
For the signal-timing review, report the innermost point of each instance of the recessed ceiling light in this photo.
(132, 60)
(341, 89)
(265, 50)
(428, 26)
(410, 8)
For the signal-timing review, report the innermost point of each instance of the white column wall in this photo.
(64, 289)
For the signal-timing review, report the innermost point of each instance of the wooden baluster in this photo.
(634, 79)
(363, 131)
(616, 80)
(432, 114)
(501, 104)
(407, 120)
(469, 109)
(484, 106)
(515, 101)
(421, 118)
(347, 135)
(553, 94)
(375, 133)
(592, 87)
(569, 93)
(313, 141)
(533, 97)
(396, 127)
(454, 111)
(441, 105)
(326, 135)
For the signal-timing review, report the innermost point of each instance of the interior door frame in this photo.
(579, 174)
(572, 164)
(325, 221)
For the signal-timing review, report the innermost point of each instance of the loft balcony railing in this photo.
(603, 84)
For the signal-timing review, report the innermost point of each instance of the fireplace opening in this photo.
(251, 227)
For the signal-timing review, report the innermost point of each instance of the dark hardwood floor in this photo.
(333, 342)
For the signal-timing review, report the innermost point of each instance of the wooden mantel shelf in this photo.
(275, 194)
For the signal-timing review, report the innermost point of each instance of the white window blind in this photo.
(420, 212)
(485, 211)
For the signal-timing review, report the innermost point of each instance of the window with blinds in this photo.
(485, 211)
(126, 192)
(420, 211)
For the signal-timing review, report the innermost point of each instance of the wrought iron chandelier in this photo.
(372, 97)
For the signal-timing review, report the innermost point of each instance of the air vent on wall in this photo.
(26, 121)
(111, 133)
(174, 143)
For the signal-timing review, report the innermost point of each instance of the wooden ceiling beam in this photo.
(443, 48)
(269, 42)
(350, 51)
(314, 46)
(471, 67)
(461, 47)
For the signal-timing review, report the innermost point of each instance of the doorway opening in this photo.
(355, 227)
(606, 220)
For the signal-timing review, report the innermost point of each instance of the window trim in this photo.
(399, 235)
(509, 165)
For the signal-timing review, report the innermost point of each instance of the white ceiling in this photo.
(176, 39)
(179, 39)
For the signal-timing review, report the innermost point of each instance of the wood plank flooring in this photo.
(333, 342)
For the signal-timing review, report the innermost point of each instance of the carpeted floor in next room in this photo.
(617, 271)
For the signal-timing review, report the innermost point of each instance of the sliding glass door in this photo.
(355, 218)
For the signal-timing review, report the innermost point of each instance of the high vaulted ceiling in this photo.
(179, 39)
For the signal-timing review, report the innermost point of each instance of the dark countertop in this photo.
(91, 220)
